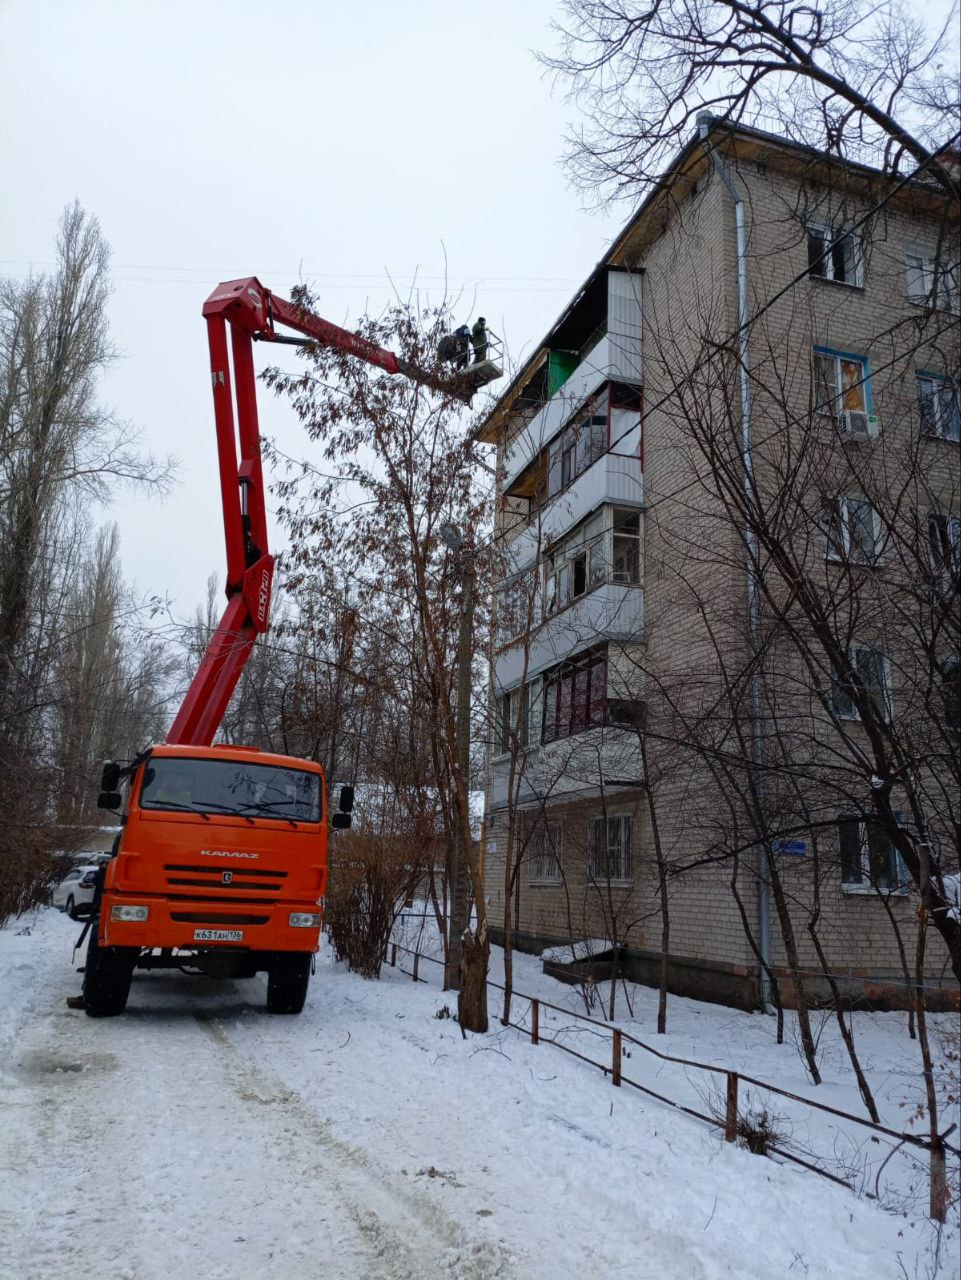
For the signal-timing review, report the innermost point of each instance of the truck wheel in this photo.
(106, 977)
(71, 908)
(287, 980)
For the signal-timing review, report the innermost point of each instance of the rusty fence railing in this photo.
(937, 1148)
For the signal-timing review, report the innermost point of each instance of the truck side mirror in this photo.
(109, 800)
(341, 821)
(346, 799)
(110, 777)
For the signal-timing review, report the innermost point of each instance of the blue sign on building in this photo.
(796, 847)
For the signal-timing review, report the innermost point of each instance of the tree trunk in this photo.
(472, 994)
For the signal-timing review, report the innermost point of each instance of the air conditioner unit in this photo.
(858, 425)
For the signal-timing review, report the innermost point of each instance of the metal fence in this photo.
(727, 1115)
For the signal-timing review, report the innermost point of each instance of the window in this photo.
(938, 403)
(515, 608)
(508, 705)
(535, 712)
(951, 692)
(610, 855)
(626, 548)
(869, 859)
(834, 254)
(544, 854)
(842, 382)
(931, 282)
(944, 543)
(851, 530)
(871, 670)
(575, 696)
(579, 445)
(576, 566)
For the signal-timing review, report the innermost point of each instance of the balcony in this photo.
(615, 478)
(569, 767)
(611, 359)
(611, 611)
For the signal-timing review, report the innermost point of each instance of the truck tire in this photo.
(287, 980)
(106, 977)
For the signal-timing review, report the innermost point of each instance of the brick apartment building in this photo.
(626, 579)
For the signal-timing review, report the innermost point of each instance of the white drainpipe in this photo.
(704, 121)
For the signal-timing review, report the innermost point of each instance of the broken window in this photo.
(834, 254)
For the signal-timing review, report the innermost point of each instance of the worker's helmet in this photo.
(481, 320)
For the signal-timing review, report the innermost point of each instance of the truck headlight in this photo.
(304, 920)
(129, 913)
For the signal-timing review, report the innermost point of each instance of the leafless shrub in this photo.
(760, 1130)
(370, 877)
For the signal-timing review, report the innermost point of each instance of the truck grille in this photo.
(180, 876)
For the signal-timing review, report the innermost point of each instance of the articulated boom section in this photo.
(252, 312)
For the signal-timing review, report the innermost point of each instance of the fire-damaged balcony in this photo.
(613, 478)
(597, 342)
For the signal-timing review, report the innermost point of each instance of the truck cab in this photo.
(221, 866)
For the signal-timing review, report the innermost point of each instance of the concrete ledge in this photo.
(734, 985)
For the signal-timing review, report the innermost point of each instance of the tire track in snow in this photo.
(411, 1236)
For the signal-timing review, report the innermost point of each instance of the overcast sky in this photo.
(222, 138)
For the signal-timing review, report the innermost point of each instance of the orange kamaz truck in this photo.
(221, 862)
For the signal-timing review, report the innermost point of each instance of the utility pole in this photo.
(454, 540)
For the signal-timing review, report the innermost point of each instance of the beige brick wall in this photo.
(694, 571)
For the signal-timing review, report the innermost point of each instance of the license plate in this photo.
(218, 935)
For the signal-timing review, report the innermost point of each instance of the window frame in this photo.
(944, 529)
(840, 688)
(546, 833)
(933, 280)
(837, 511)
(611, 816)
(835, 407)
(938, 382)
(865, 884)
(570, 693)
(568, 456)
(823, 265)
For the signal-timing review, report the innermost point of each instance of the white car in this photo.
(74, 893)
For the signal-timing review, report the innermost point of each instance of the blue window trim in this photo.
(936, 377)
(862, 359)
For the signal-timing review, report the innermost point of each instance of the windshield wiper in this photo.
(171, 804)
(267, 811)
(214, 807)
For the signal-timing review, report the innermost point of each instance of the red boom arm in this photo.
(252, 312)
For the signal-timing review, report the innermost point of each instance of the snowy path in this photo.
(196, 1137)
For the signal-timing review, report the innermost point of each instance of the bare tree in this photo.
(397, 467)
(59, 448)
(837, 75)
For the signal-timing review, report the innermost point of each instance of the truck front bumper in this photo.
(193, 926)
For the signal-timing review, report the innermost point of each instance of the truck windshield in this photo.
(231, 786)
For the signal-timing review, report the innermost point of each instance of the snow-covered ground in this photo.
(198, 1137)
